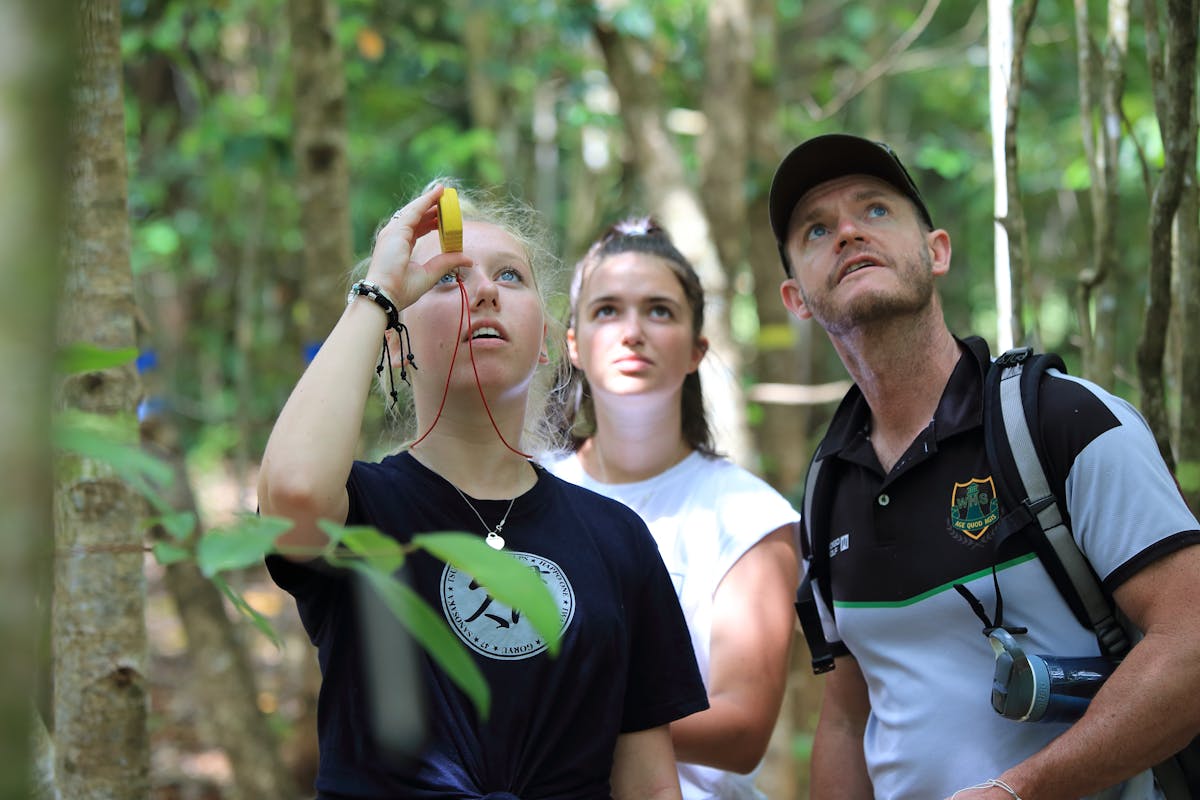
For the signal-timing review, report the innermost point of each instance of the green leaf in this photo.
(81, 357)
(167, 553)
(243, 544)
(506, 578)
(105, 439)
(239, 602)
(382, 552)
(430, 631)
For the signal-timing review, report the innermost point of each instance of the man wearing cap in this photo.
(906, 712)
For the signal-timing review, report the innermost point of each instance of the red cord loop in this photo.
(465, 311)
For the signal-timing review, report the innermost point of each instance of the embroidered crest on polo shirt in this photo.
(494, 629)
(974, 507)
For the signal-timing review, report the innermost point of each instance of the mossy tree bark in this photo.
(99, 631)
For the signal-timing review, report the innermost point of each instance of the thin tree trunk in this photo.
(545, 149)
(1187, 265)
(1173, 75)
(1096, 293)
(723, 147)
(1000, 64)
(323, 185)
(324, 180)
(99, 636)
(660, 167)
(782, 347)
(31, 143)
(483, 96)
(782, 433)
(1014, 221)
(222, 676)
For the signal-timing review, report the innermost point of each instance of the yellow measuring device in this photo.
(450, 221)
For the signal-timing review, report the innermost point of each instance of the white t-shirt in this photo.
(705, 513)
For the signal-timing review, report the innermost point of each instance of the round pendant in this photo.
(495, 541)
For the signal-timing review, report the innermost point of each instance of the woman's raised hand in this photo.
(391, 266)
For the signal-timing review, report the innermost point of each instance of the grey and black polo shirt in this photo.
(900, 541)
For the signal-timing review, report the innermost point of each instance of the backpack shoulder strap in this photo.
(814, 549)
(1010, 411)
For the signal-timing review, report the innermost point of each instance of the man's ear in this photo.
(939, 251)
(572, 349)
(793, 299)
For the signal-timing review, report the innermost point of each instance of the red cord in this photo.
(465, 310)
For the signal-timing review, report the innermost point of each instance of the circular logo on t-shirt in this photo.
(491, 627)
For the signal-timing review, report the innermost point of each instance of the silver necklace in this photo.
(494, 539)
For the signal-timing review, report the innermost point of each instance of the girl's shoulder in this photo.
(720, 472)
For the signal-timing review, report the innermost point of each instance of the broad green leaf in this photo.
(431, 632)
(242, 544)
(239, 602)
(104, 439)
(81, 357)
(382, 552)
(167, 553)
(506, 578)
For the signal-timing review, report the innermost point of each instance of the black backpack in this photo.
(1010, 413)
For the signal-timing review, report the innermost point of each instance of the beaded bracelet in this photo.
(372, 292)
(988, 784)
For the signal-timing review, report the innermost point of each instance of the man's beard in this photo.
(914, 296)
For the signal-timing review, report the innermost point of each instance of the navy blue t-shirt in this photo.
(625, 664)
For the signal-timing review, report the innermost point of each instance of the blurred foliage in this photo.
(214, 203)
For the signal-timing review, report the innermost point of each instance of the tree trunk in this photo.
(323, 185)
(1187, 265)
(1174, 80)
(723, 147)
(1097, 292)
(1000, 63)
(631, 70)
(31, 143)
(99, 631)
(222, 677)
(1014, 218)
(483, 96)
(780, 352)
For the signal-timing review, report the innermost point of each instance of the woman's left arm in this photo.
(644, 766)
(752, 626)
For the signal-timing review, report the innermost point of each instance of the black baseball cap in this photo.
(824, 158)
